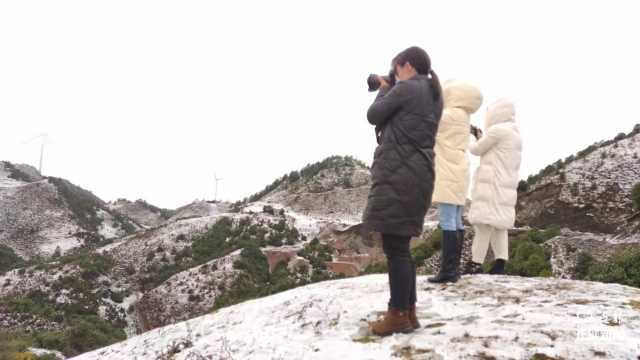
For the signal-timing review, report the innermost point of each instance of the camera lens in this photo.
(373, 82)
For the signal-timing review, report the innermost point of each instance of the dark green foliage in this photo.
(546, 273)
(83, 207)
(131, 269)
(255, 281)
(379, 268)
(420, 253)
(429, 247)
(294, 176)
(86, 333)
(306, 172)
(14, 345)
(584, 262)
(268, 209)
(527, 257)
(280, 226)
(275, 239)
(213, 244)
(523, 186)
(94, 264)
(346, 182)
(124, 222)
(317, 254)
(16, 174)
(562, 176)
(117, 297)
(165, 213)
(539, 237)
(635, 195)
(8, 259)
(620, 136)
(623, 268)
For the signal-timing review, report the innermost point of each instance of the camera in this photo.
(474, 131)
(374, 82)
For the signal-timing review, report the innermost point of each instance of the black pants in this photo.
(402, 271)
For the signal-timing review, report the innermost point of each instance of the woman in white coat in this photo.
(494, 185)
(452, 172)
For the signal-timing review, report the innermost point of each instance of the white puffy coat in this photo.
(495, 182)
(452, 140)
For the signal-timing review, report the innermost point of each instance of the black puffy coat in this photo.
(403, 169)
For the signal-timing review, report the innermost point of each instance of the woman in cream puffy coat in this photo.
(452, 172)
(494, 185)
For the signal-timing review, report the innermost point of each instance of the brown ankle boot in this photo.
(395, 321)
(413, 318)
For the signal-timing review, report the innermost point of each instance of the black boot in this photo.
(459, 245)
(498, 268)
(448, 272)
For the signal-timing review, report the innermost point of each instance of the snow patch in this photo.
(500, 316)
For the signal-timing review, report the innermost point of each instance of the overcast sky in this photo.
(146, 99)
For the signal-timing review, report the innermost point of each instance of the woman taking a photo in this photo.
(402, 176)
(452, 172)
(494, 192)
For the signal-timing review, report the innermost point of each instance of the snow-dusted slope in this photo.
(200, 209)
(139, 213)
(480, 317)
(337, 192)
(189, 293)
(174, 235)
(34, 220)
(593, 195)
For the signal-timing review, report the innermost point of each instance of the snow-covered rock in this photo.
(482, 316)
(591, 195)
(138, 212)
(200, 209)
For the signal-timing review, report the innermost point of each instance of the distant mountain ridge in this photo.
(129, 267)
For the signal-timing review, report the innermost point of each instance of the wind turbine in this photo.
(44, 137)
(216, 177)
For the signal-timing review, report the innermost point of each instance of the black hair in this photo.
(420, 60)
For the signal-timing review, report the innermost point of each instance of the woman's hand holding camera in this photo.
(383, 82)
(476, 132)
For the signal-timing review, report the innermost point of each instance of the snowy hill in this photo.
(587, 192)
(483, 317)
(140, 212)
(200, 209)
(302, 229)
(337, 187)
(38, 216)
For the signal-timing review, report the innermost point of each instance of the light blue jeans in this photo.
(450, 217)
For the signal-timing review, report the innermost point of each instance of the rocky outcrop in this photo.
(286, 253)
(566, 249)
(590, 194)
(338, 192)
(359, 261)
(349, 269)
(200, 209)
(140, 213)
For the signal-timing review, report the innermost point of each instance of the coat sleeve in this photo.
(386, 103)
(486, 142)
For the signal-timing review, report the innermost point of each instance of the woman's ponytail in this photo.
(436, 88)
(419, 59)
